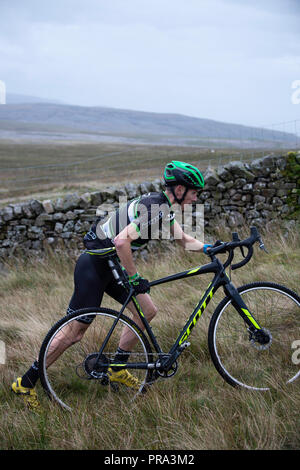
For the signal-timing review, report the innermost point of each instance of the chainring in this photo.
(166, 374)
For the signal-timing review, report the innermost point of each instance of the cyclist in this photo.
(130, 227)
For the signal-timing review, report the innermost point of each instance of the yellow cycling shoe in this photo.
(124, 377)
(29, 394)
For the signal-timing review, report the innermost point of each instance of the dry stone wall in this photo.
(258, 194)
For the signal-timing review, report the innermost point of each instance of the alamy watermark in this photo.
(295, 98)
(2, 92)
(2, 352)
(153, 222)
(296, 353)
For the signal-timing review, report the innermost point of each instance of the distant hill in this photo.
(49, 120)
(16, 98)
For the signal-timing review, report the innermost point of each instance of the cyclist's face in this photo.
(191, 196)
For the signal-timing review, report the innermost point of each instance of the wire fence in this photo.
(143, 161)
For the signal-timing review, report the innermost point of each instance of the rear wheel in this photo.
(76, 371)
(239, 357)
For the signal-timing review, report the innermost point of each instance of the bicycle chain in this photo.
(158, 375)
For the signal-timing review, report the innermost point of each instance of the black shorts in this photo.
(93, 278)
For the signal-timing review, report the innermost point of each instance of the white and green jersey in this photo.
(151, 214)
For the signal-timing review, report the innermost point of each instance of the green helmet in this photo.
(183, 173)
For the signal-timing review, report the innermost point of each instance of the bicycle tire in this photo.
(241, 361)
(62, 380)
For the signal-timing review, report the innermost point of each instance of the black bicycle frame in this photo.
(220, 279)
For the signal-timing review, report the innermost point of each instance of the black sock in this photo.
(121, 356)
(31, 377)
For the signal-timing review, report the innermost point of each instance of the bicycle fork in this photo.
(257, 333)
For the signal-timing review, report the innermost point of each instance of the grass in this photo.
(194, 410)
(37, 169)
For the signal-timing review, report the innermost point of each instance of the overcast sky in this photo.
(228, 60)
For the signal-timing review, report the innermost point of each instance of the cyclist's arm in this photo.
(185, 240)
(123, 246)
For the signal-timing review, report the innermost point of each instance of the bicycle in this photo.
(250, 334)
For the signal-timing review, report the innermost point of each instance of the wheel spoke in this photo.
(74, 372)
(239, 357)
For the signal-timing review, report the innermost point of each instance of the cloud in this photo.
(219, 59)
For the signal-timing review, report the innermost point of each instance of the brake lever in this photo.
(236, 238)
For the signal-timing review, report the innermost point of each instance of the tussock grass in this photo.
(195, 409)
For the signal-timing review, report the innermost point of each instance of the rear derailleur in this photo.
(95, 372)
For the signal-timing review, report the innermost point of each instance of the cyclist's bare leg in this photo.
(74, 331)
(68, 335)
(128, 339)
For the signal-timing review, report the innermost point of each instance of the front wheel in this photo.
(71, 370)
(240, 359)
